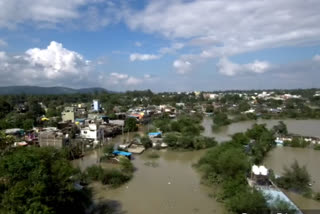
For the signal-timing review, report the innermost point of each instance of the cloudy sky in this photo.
(163, 45)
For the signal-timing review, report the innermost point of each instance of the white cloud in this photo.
(48, 14)
(133, 81)
(138, 44)
(162, 51)
(124, 79)
(181, 66)
(147, 76)
(54, 65)
(316, 58)
(173, 48)
(119, 76)
(3, 43)
(226, 67)
(143, 57)
(56, 61)
(234, 26)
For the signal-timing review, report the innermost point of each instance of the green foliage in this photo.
(317, 196)
(281, 128)
(220, 119)
(28, 124)
(112, 177)
(5, 108)
(146, 142)
(6, 143)
(316, 147)
(172, 138)
(108, 149)
(247, 201)
(125, 165)
(295, 178)
(40, 180)
(240, 138)
(130, 125)
(297, 142)
(209, 109)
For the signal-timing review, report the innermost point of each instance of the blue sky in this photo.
(167, 45)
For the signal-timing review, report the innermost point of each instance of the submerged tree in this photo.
(295, 178)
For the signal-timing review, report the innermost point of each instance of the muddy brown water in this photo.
(170, 184)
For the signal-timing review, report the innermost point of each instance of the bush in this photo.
(114, 177)
(146, 142)
(316, 147)
(296, 178)
(171, 139)
(94, 173)
(126, 165)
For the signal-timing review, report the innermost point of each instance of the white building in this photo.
(90, 132)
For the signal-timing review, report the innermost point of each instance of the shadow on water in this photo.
(108, 207)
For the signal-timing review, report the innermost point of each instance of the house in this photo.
(90, 132)
(68, 114)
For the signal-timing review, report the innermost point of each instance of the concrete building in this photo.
(50, 138)
(90, 132)
(96, 105)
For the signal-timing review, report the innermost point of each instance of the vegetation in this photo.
(220, 119)
(112, 177)
(146, 142)
(297, 142)
(228, 165)
(295, 178)
(130, 125)
(184, 133)
(40, 180)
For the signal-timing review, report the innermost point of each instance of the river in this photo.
(173, 186)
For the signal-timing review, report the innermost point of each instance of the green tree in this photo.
(28, 124)
(40, 180)
(130, 124)
(220, 119)
(281, 128)
(146, 142)
(6, 142)
(296, 178)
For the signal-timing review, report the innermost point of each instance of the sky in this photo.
(162, 45)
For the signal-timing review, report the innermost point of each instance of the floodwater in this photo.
(280, 157)
(168, 184)
(300, 127)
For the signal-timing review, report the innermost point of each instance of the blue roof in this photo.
(154, 133)
(117, 152)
